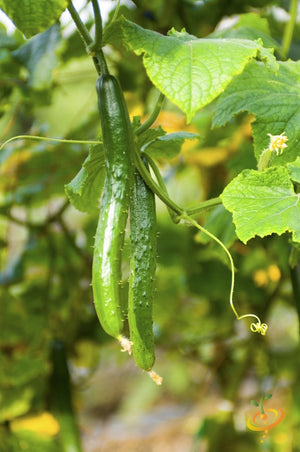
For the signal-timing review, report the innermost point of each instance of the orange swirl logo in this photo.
(264, 419)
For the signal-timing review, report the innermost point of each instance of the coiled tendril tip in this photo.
(259, 328)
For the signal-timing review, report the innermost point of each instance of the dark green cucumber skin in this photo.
(143, 265)
(118, 144)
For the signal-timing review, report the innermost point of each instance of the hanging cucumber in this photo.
(118, 144)
(142, 264)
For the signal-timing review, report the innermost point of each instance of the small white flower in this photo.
(278, 142)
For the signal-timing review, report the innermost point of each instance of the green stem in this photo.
(204, 205)
(116, 12)
(162, 185)
(61, 400)
(102, 62)
(265, 159)
(84, 33)
(154, 187)
(56, 140)
(213, 237)
(157, 174)
(98, 25)
(254, 327)
(261, 406)
(152, 118)
(295, 279)
(289, 29)
(96, 47)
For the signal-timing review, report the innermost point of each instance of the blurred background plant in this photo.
(212, 366)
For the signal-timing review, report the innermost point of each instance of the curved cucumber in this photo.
(118, 144)
(143, 264)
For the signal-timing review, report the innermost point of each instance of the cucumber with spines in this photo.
(118, 142)
(142, 265)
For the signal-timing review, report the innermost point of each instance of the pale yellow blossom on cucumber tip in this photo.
(278, 142)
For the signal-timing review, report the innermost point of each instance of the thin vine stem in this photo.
(98, 25)
(96, 47)
(205, 205)
(289, 29)
(56, 140)
(85, 35)
(161, 184)
(116, 12)
(152, 118)
(254, 327)
(153, 186)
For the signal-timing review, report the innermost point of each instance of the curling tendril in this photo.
(257, 327)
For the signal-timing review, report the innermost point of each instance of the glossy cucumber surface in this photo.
(118, 145)
(143, 265)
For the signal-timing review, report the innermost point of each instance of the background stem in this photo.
(98, 25)
(295, 278)
(289, 29)
(84, 33)
(61, 400)
(152, 118)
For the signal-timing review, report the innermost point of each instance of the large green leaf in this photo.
(263, 203)
(33, 16)
(39, 56)
(189, 71)
(273, 98)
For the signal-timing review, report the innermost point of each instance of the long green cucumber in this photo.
(118, 144)
(143, 265)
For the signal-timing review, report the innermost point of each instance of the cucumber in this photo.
(142, 266)
(118, 145)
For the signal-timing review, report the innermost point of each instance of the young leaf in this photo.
(191, 72)
(85, 189)
(33, 16)
(253, 402)
(263, 203)
(39, 56)
(168, 146)
(273, 99)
